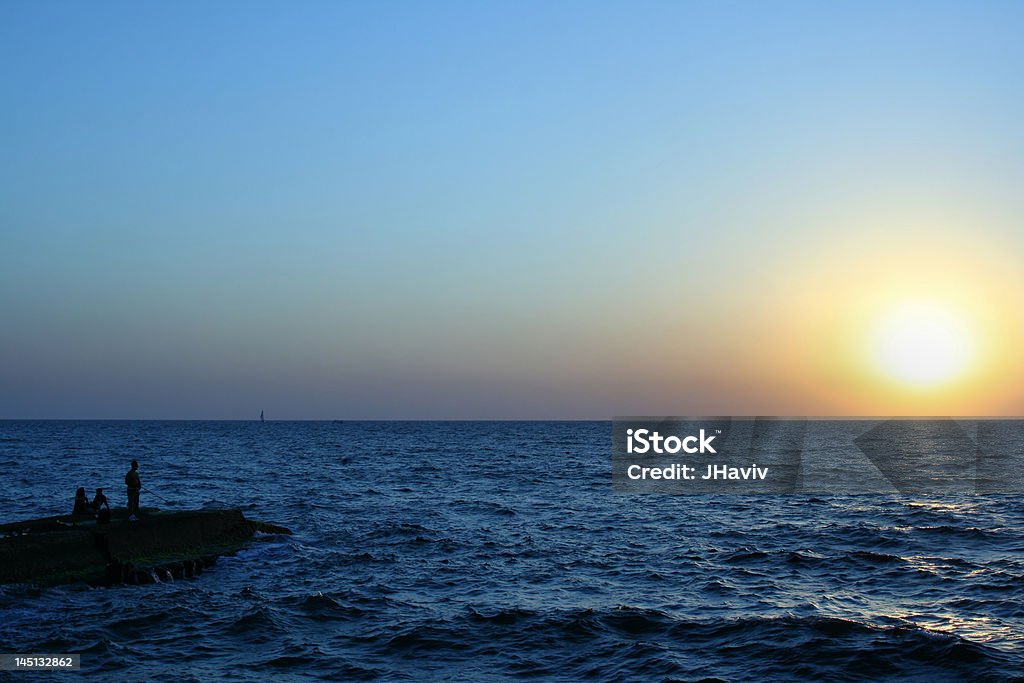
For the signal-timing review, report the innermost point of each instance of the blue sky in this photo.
(468, 210)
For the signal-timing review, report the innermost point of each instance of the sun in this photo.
(922, 343)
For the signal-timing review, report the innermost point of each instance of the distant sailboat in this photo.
(261, 417)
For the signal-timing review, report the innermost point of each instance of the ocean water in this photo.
(481, 551)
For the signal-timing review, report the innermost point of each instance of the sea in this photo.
(491, 551)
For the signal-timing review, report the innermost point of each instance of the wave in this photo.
(634, 641)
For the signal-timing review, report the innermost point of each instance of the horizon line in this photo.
(810, 418)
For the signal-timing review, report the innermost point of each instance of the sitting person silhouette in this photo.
(98, 501)
(102, 507)
(81, 502)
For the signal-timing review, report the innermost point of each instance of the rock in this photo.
(68, 549)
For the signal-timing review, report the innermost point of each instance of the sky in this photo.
(503, 210)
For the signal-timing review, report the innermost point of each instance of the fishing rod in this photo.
(157, 495)
(108, 488)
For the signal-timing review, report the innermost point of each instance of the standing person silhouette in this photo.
(134, 484)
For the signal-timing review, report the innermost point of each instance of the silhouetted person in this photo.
(81, 502)
(101, 507)
(134, 484)
(99, 501)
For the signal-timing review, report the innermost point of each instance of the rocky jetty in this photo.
(158, 546)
